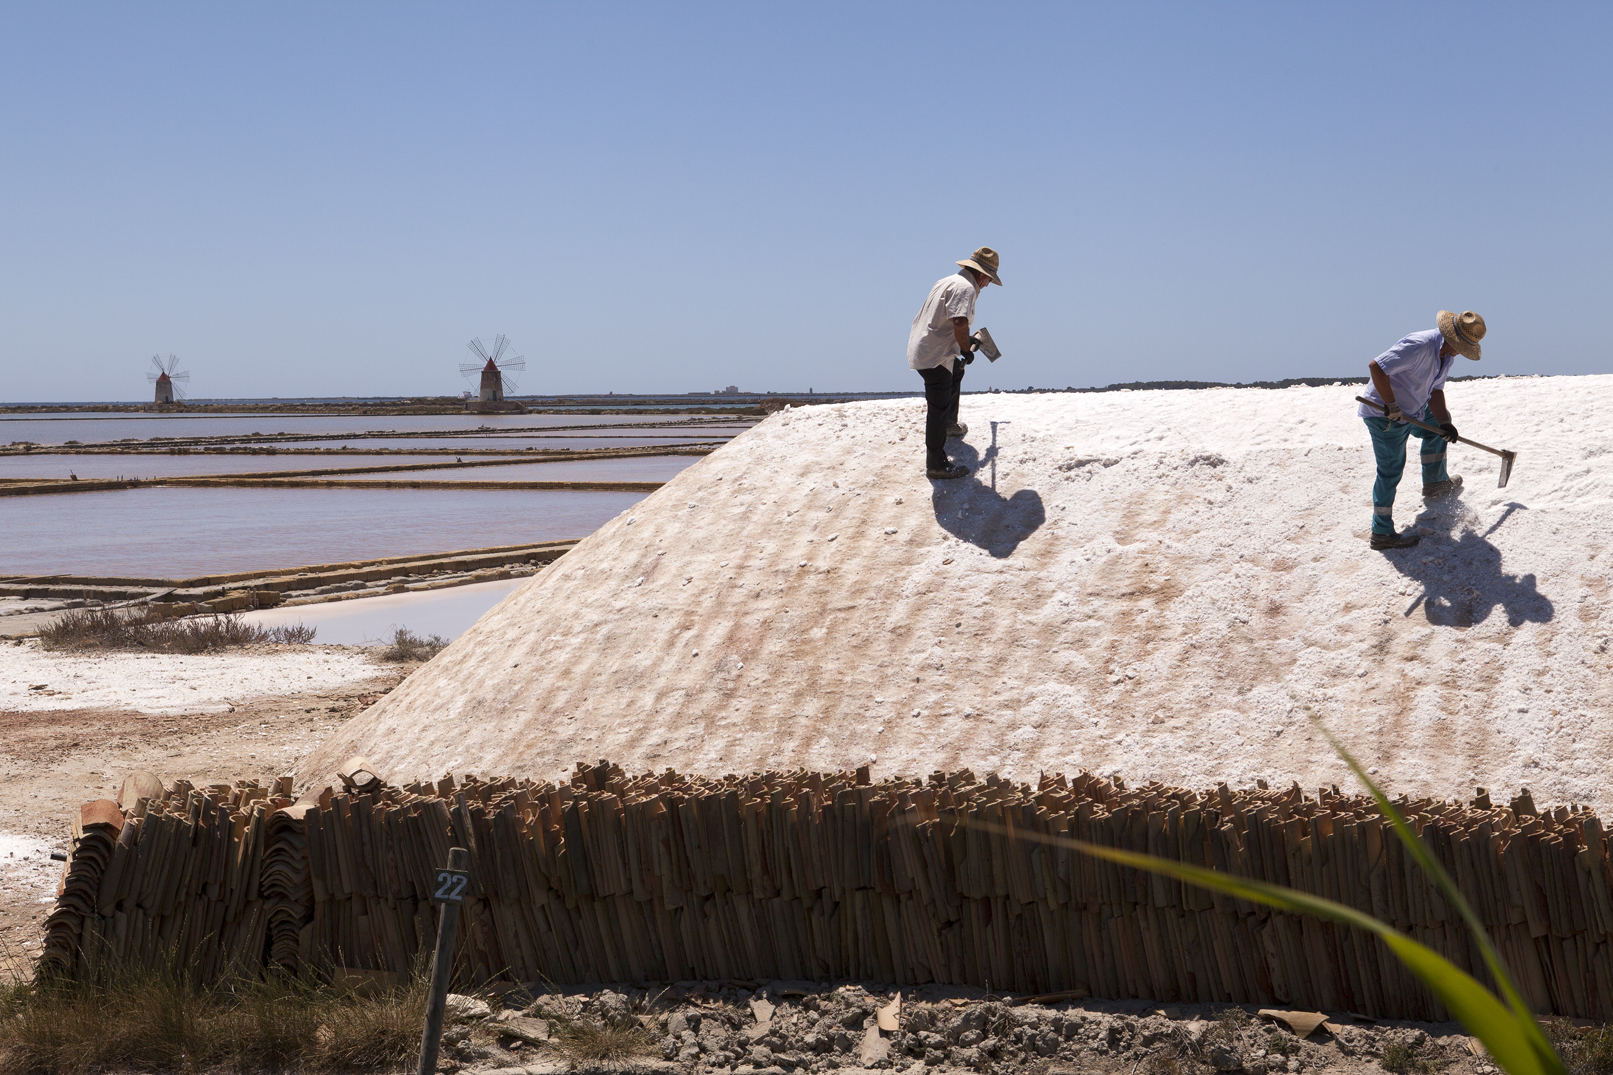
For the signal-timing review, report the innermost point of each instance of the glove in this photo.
(1449, 431)
(1394, 414)
(966, 357)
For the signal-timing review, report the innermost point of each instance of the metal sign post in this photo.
(448, 890)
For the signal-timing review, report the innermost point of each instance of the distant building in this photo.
(731, 390)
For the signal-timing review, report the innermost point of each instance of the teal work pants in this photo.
(1389, 448)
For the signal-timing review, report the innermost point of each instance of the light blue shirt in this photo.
(1415, 372)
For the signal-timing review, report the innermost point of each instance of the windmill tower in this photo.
(493, 370)
(166, 379)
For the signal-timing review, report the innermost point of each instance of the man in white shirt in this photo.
(935, 348)
(1409, 379)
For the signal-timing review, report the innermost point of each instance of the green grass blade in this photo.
(1433, 868)
(1506, 1035)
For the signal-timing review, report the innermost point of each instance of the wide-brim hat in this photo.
(984, 260)
(1463, 332)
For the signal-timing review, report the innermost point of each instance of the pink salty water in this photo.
(90, 429)
(183, 532)
(446, 612)
(59, 467)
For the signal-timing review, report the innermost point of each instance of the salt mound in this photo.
(1160, 584)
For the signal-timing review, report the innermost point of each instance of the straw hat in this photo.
(985, 260)
(1462, 331)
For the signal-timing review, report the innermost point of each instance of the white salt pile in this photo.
(1164, 585)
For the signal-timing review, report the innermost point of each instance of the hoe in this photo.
(1507, 458)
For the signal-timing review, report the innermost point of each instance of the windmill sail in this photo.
(167, 377)
(492, 368)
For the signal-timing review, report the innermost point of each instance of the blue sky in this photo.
(327, 199)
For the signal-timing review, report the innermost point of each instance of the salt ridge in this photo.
(1163, 585)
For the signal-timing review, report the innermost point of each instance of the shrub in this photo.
(1228, 1023)
(1403, 1058)
(155, 1021)
(405, 645)
(105, 628)
(1587, 1051)
(589, 1043)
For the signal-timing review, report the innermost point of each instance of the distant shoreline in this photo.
(741, 405)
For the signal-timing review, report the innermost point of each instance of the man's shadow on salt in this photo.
(972, 510)
(1470, 583)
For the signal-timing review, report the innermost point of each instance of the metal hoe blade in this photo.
(1507, 459)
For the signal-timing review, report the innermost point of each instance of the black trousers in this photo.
(942, 387)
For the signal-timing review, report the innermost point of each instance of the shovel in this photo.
(1507, 458)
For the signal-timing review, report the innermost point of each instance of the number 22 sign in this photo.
(451, 885)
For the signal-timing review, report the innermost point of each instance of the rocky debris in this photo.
(464, 1009)
(781, 1028)
(522, 1027)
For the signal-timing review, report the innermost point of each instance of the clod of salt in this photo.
(697, 653)
(890, 530)
(803, 563)
(742, 664)
(723, 564)
(897, 500)
(831, 537)
(640, 581)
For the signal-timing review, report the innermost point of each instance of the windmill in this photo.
(493, 367)
(166, 378)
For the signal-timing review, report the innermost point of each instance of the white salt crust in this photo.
(167, 683)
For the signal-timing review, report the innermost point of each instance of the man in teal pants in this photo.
(1409, 379)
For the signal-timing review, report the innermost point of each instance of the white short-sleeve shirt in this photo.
(931, 342)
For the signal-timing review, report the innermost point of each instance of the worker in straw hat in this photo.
(1409, 380)
(939, 346)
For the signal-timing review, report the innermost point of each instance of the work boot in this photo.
(1394, 541)
(1433, 490)
(957, 429)
(945, 471)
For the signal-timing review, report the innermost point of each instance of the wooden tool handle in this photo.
(1435, 429)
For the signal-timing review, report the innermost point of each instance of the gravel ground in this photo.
(802, 1027)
